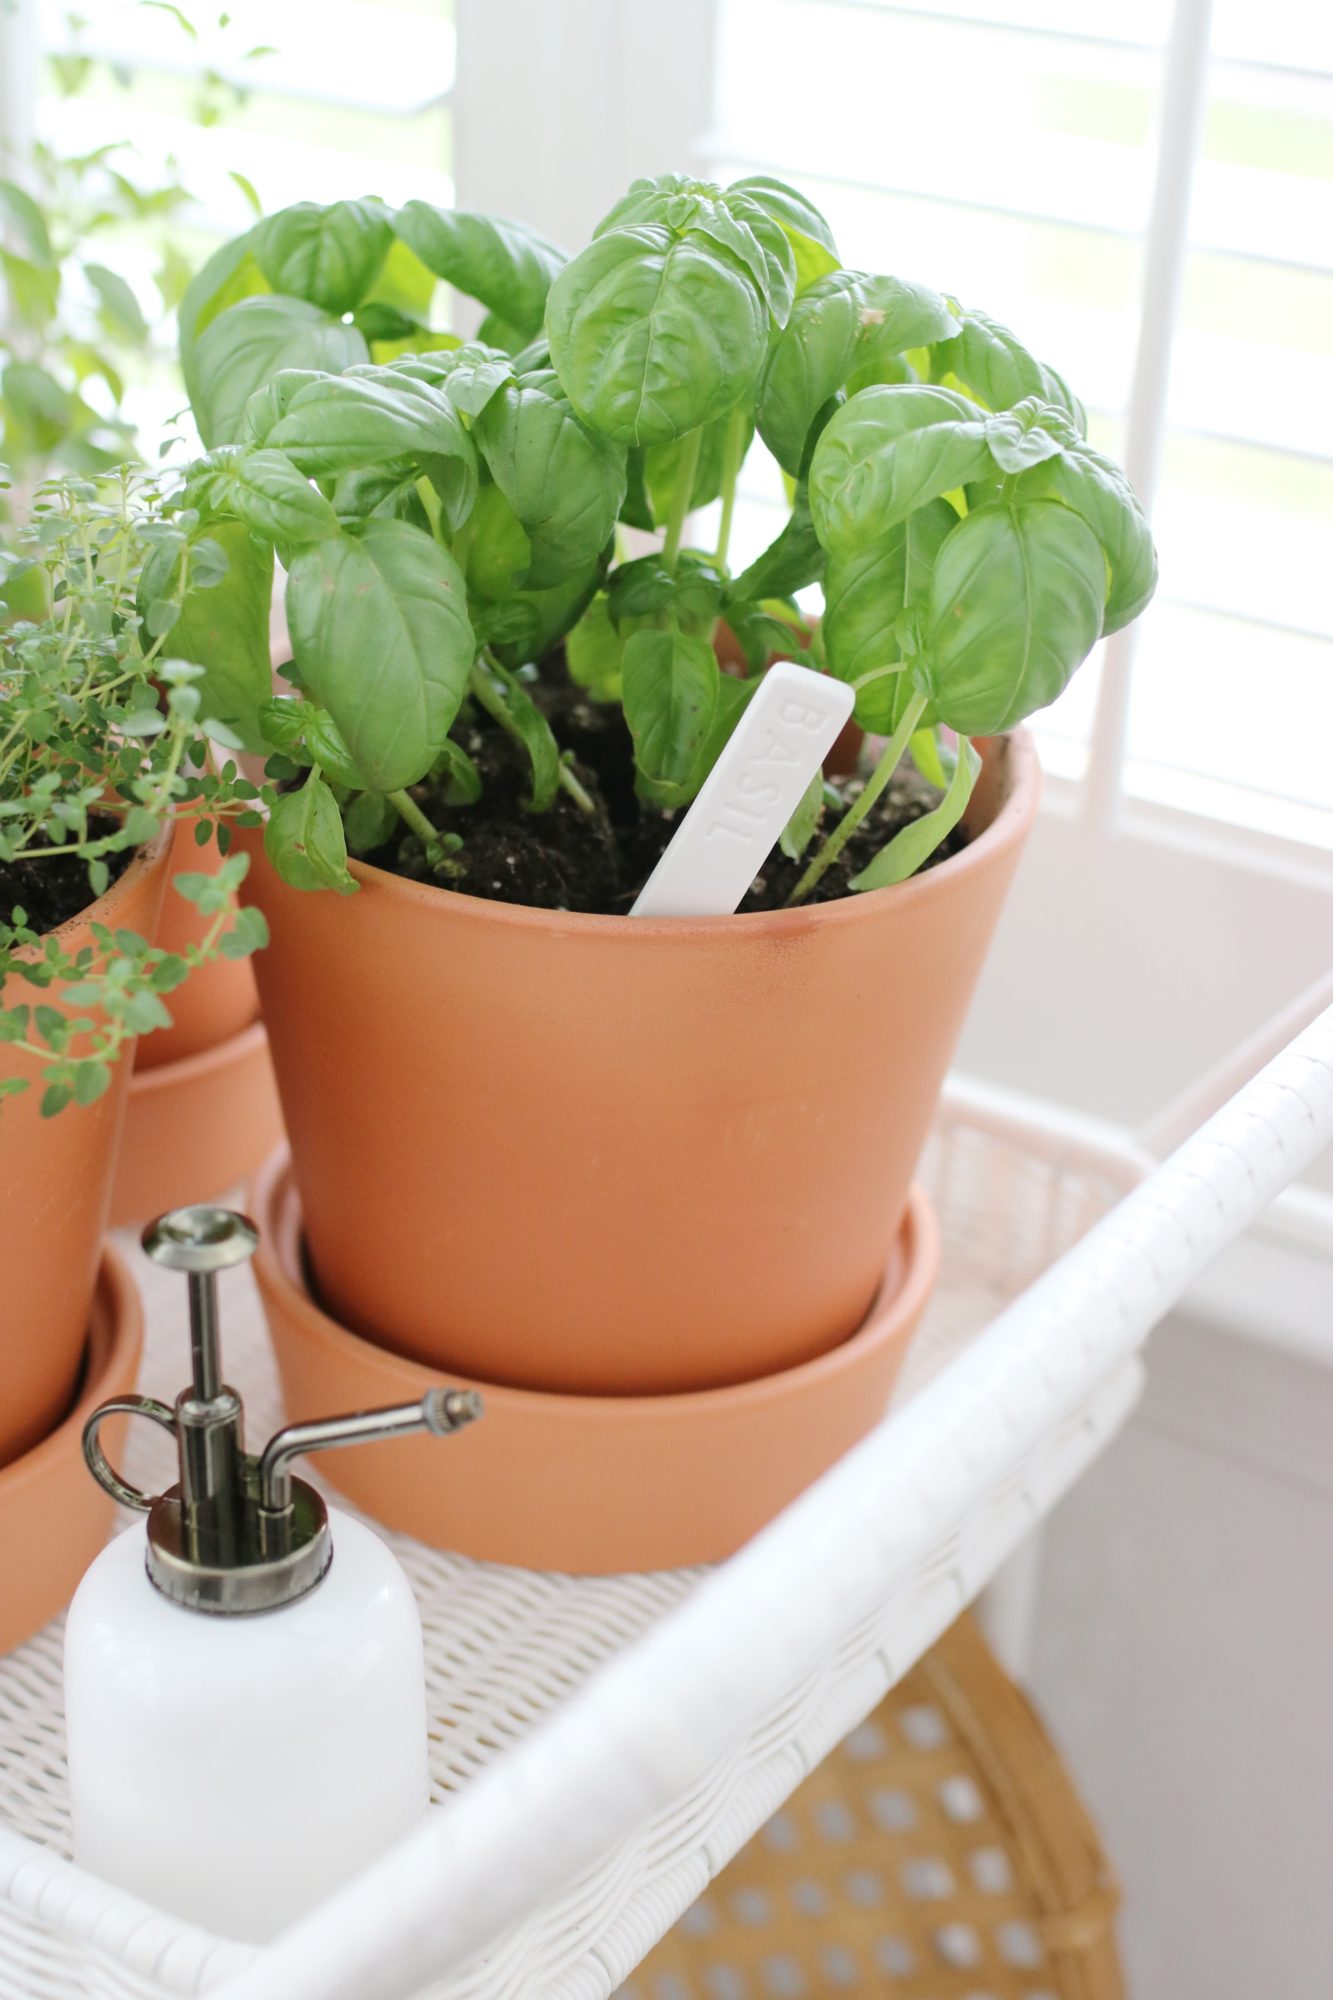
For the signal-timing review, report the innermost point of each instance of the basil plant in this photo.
(448, 512)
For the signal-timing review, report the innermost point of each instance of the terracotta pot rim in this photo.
(115, 1332)
(102, 909)
(186, 1069)
(275, 1205)
(1006, 830)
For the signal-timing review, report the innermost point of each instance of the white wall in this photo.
(1183, 1658)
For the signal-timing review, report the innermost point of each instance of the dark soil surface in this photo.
(566, 859)
(51, 889)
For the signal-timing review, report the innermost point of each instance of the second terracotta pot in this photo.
(217, 1001)
(55, 1185)
(617, 1155)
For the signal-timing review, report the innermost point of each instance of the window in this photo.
(1006, 154)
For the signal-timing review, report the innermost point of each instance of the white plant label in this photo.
(731, 828)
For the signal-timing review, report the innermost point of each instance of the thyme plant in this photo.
(104, 739)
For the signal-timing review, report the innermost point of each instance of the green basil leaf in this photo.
(462, 778)
(886, 452)
(564, 481)
(24, 216)
(304, 839)
(865, 594)
(653, 334)
(896, 316)
(267, 406)
(230, 275)
(808, 363)
(35, 395)
(369, 821)
(1099, 493)
(381, 638)
(1015, 607)
(913, 844)
(924, 749)
(670, 695)
(390, 491)
(493, 548)
(636, 509)
(469, 376)
(801, 223)
(340, 423)
(324, 740)
(733, 698)
(523, 629)
(239, 350)
(996, 370)
(121, 312)
(504, 264)
(1027, 434)
(224, 630)
(742, 227)
(525, 721)
(272, 497)
(595, 652)
(800, 829)
(330, 256)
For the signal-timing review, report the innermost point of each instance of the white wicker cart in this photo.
(601, 1747)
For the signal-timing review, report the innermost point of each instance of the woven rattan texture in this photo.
(506, 1647)
(940, 1853)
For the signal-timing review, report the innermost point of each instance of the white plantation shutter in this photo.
(1010, 154)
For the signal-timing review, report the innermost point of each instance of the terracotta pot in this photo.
(196, 1127)
(55, 1186)
(589, 1484)
(217, 1001)
(618, 1155)
(203, 1107)
(54, 1517)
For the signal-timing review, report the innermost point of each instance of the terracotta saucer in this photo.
(53, 1517)
(196, 1126)
(589, 1484)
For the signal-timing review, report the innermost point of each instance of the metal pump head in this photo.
(239, 1532)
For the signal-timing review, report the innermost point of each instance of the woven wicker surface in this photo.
(940, 1853)
(507, 1647)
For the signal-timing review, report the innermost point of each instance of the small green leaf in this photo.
(462, 778)
(800, 829)
(1016, 603)
(655, 332)
(250, 342)
(595, 651)
(505, 265)
(249, 933)
(888, 451)
(274, 499)
(670, 695)
(529, 725)
(382, 639)
(92, 1079)
(23, 215)
(564, 481)
(328, 256)
(369, 821)
(304, 839)
(121, 311)
(913, 844)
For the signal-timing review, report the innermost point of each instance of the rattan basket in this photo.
(941, 1853)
